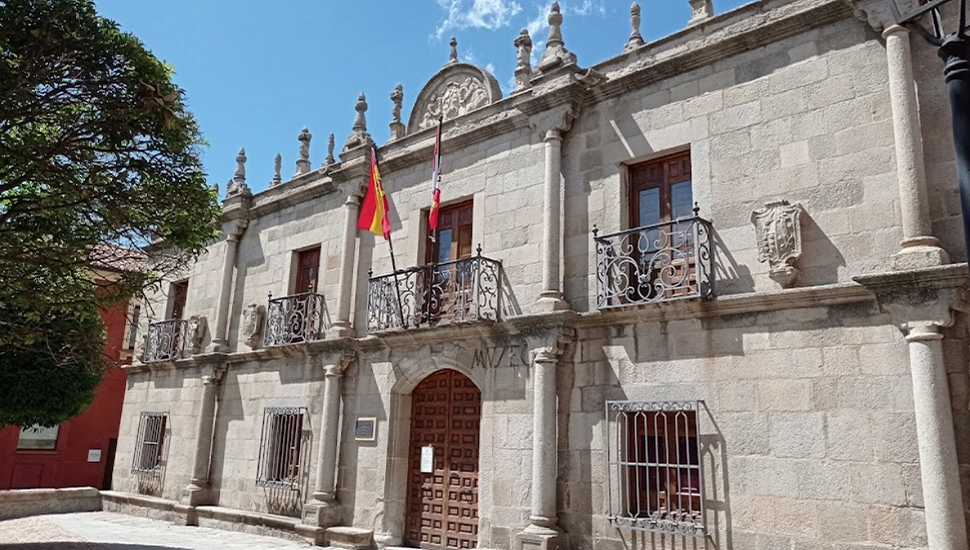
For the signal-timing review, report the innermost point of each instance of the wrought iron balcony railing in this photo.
(654, 263)
(461, 290)
(294, 319)
(165, 341)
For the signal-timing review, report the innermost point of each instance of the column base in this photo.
(185, 515)
(195, 494)
(217, 347)
(550, 301)
(341, 331)
(535, 537)
(313, 534)
(919, 252)
(321, 513)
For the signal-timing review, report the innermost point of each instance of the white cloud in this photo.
(479, 14)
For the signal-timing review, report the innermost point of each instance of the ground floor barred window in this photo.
(150, 444)
(655, 473)
(281, 447)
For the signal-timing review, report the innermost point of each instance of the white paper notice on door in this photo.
(427, 459)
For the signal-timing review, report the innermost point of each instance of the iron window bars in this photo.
(165, 341)
(294, 319)
(150, 444)
(655, 471)
(461, 290)
(654, 263)
(281, 447)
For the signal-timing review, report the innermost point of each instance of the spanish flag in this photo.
(374, 210)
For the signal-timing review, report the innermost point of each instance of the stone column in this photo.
(939, 469)
(197, 491)
(323, 510)
(919, 247)
(542, 532)
(550, 299)
(341, 327)
(220, 340)
(920, 302)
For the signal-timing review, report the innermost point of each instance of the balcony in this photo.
(654, 263)
(165, 341)
(429, 295)
(295, 319)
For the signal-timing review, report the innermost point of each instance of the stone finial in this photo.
(636, 40)
(453, 54)
(277, 167)
(778, 228)
(238, 182)
(556, 53)
(330, 145)
(303, 163)
(523, 54)
(397, 98)
(700, 11)
(359, 135)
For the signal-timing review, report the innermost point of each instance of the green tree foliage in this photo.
(99, 158)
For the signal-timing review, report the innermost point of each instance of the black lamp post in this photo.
(955, 52)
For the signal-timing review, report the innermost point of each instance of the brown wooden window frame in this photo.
(303, 258)
(180, 297)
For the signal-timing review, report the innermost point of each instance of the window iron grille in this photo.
(656, 474)
(281, 448)
(461, 290)
(150, 444)
(165, 341)
(654, 263)
(295, 318)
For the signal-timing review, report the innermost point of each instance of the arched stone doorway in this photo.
(442, 493)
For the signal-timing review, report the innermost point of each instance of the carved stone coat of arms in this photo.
(778, 228)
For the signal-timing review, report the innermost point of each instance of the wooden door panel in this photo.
(443, 506)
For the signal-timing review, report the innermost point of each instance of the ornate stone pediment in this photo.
(457, 89)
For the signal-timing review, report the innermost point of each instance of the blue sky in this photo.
(257, 72)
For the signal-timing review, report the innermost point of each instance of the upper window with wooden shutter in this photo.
(307, 270)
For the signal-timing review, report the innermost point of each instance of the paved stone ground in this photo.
(107, 531)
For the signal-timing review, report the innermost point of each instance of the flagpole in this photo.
(390, 245)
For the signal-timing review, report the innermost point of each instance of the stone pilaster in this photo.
(920, 303)
(323, 510)
(919, 247)
(543, 532)
(197, 491)
(220, 340)
(342, 327)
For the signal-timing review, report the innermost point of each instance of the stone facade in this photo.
(821, 415)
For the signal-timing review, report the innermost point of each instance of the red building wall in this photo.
(94, 429)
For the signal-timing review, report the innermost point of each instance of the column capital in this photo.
(353, 199)
(552, 123)
(235, 229)
(549, 347)
(921, 301)
(894, 29)
(340, 364)
(212, 374)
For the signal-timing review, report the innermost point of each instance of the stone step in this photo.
(351, 538)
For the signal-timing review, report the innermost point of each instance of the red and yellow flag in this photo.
(435, 183)
(375, 209)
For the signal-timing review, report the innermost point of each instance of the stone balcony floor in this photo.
(108, 531)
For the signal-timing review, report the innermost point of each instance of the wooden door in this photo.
(180, 293)
(449, 285)
(660, 194)
(307, 267)
(442, 506)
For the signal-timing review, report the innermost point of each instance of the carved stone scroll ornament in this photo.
(253, 325)
(457, 89)
(778, 228)
(455, 99)
(196, 333)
